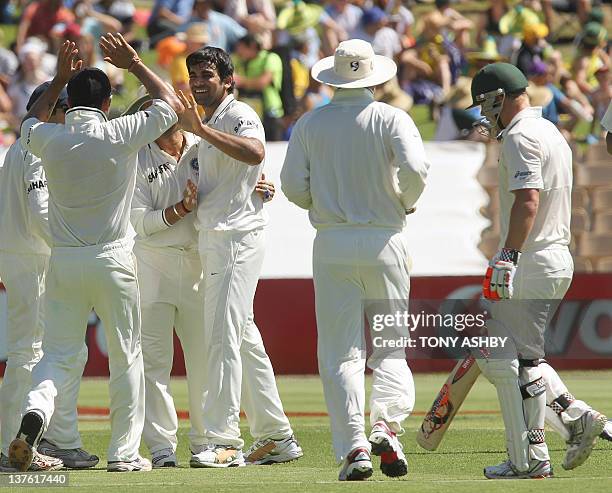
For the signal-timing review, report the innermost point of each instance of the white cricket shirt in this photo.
(535, 155)
(355, 162)
(24, 226)
(160, 182)
(90, 163)
(226, 192)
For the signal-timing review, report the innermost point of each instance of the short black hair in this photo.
(250, 40)
(90, 87)
(216, 57)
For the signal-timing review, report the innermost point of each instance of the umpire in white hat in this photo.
(357, 166)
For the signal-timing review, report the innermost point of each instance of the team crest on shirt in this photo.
(195, 166)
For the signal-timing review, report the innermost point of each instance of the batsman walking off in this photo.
(533, 267)
(357, 166)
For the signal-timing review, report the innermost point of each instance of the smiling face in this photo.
(207, 87)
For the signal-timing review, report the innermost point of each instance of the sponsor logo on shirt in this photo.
(36, 184)
(522, 175)
(159, 171)
(246, 124)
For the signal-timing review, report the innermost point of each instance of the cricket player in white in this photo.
(90, 164)
(534, 266)
(231, 220)
(169, 274)
(24, 259)
(358, 166)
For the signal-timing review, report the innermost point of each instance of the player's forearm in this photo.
(43, 107)
(156, 87)
(522, 217)
(174, 213)
(245, 149)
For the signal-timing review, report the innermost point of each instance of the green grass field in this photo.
(475, 440)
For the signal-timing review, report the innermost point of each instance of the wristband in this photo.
(509, 255)
(177, 212)
(136, 60)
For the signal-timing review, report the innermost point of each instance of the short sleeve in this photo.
(523, 159)
(246, 123)
(606, 121)
(143, 127)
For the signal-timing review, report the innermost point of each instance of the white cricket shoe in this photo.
(76, 458)
(384, 442)
(136, 465)
(539, 469)
(218, 456)
(583, 435)
(357, 465)
(164, 458)
(41, 462)
(269, 451)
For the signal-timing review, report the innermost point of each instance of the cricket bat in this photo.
(447, 403)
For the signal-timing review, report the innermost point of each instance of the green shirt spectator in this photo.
(258, 76)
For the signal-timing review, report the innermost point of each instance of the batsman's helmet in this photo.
(489, 88)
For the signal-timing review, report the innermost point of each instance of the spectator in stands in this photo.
(167, 17)
(28, 77)
(590, 57)
(223, 31)
(8, 62)
(92, 21)
(347, 16)
(88, 52)
(489, 23)
(258, 76)
(38, 19)
(400, 19)
(257, 16)
(582, 8)
(601, 97)
(194, 38)
(375, 31)
(447, 22)
(512, 25)
(533, 47)
(123, 11)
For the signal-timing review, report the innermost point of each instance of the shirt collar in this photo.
(353, 95)
(531, 112)
(83, 114)
(227, 100)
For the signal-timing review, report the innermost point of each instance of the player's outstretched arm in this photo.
(67, 66)
(245, 149)
(118, 51)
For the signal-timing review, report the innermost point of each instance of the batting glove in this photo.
(497, 284)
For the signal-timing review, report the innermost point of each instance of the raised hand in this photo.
(190, 196)
(190, 119)
(118, 51)
(67, 61)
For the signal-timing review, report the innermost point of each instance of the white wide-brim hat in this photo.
(354, 65)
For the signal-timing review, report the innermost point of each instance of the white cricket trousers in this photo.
(169, 297)
(235, 351)
(541, 280)
(351, 266)
(23, 276)
(102, 277)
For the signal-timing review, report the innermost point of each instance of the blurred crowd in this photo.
(561, 45)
